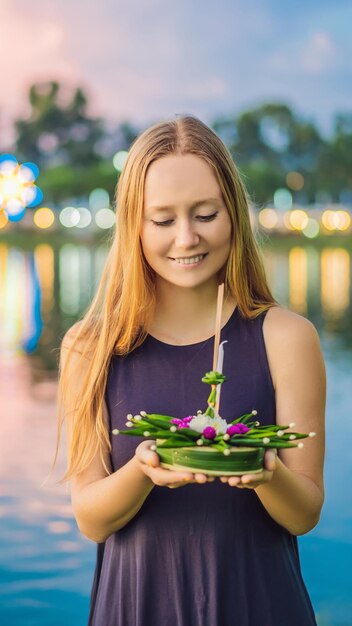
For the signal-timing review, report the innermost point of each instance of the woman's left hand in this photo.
(250, 481)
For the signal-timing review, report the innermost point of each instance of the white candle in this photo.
(221, 357)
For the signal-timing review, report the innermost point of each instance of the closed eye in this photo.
(201, 218)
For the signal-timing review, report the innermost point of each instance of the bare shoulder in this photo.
(71, 336)
(76, 342)
(288, 336)
(282, 326)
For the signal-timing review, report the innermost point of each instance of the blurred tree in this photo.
(268, 142)
(56, 133)
(334, 170)
(63, 182)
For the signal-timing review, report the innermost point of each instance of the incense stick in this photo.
(217, 338)
(218, 325)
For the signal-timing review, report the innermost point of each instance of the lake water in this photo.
(46, 566)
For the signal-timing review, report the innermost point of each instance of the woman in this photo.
(223, 552)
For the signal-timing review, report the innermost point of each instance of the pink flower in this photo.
(237, 429)
(181, 423)
(209, 432)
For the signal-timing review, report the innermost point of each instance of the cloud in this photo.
(32, 49)
(315, 55)
(319, 54)
(145, 59)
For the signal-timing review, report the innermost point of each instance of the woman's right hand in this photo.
(149, 462)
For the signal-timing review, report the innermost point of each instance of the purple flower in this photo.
(237, 429)
(181, 423)
(209, 432)
(188, 419)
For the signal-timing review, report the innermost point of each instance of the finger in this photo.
(224, 479)
(162, 476)
(270, 459)
(234, 481)
(200, 478)
(146, 455)
(249, 479)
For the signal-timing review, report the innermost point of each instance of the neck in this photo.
(184, 314)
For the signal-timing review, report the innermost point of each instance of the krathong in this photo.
(205, 441)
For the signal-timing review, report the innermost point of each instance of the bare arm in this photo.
(294, 497)
(291, 487)
(103, 506)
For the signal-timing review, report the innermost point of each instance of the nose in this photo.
(186, 235)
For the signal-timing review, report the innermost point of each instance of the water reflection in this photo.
(335, 282)
(43, 555)
(298, 279)
(311, 281)
(47, 565)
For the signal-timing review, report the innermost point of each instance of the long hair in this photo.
(124, 304)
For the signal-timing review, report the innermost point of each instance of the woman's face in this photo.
(186, 229)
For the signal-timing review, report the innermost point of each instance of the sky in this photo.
(144, 60)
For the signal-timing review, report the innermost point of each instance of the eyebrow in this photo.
(193, 206)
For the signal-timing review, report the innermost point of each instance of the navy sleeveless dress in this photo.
(202, 554)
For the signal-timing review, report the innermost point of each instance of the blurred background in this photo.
(78, 84)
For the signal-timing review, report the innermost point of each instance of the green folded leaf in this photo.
(174, 442)
(213, 378)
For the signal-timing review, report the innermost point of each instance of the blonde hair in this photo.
(124, 304)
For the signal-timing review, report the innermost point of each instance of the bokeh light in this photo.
(119, 160)
(98, 199)
(336, 220)
(282, 199)
(44, 218)
(312, 229)
(295, 181)
(17, 188)
(3, 219)
(69, 217)
(268, 218)
(298, 219)
(85, 217)
(105, 218)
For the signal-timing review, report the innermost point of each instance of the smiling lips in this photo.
(192, 260)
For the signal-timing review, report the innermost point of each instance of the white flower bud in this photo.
(254, 412)
(199, 442)
(280, 433)
(173, 428)
(115, 431)
(137, 418)
(129, 424)
(312, 434)
(153, 447)
(257, 423)
(129, 416)
(199, 412)
(292, 425)
(226, 452)
(292, 437)
(146, 433)
(226, 436)
(300, 445)
(143, 413)
(266, 440)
